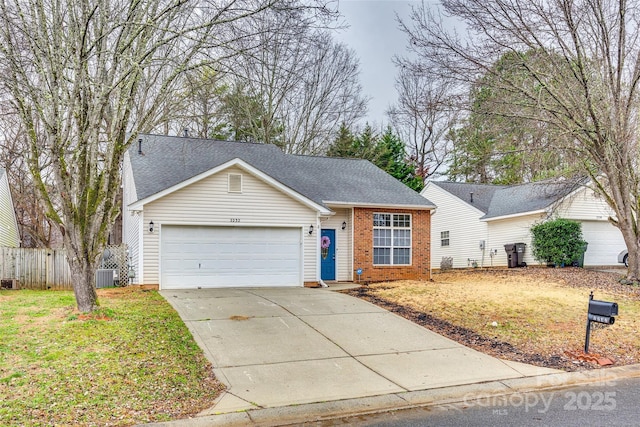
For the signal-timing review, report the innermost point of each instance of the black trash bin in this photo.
(520, 247)
(580, 261)
(512, 255)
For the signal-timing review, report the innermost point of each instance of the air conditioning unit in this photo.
(9, 284)
(105, 278)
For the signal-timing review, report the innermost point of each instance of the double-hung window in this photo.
(391, 239)
(444, 238)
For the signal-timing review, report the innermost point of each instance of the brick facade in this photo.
(363, 247)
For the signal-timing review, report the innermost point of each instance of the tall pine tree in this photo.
(387, 151)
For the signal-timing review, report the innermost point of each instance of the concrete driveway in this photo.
(284, 346)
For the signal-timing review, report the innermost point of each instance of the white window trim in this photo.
(392, 247)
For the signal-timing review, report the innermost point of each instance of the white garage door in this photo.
(212, 257)
(605, 243)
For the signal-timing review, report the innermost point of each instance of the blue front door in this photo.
(328, 255)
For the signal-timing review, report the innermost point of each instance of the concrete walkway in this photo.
(275, 347)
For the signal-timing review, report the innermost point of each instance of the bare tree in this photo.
(586, 86)
(328, 95)
(36, 229)
(196, 107)
(497, 143)
(86, 76)
(294, 88)
(422, 117)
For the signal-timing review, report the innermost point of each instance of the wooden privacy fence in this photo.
(40, 268)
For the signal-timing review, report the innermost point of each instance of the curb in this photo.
(313, 412)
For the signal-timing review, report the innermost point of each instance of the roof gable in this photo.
(159, 163)
(231, 163)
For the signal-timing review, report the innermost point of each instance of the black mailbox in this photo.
(599, 312)
(603, 308)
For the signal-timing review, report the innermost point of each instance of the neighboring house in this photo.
(9, 234)
(204, 213)
(473, 222)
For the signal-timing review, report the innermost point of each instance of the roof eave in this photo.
(515, 215)
(378, 205)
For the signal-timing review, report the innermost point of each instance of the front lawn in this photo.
(133, 361)
(530, 315)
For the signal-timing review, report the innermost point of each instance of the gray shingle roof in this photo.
(169, 160)
(497, 201)
(482, 193)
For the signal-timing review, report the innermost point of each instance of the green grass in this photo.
(133, 361)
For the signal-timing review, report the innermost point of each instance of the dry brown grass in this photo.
(540, 312)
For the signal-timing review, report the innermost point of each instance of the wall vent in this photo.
(235, 183)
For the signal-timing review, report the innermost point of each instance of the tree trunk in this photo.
(83, 262)
(83, 276)
(633, 273)
(633, 258)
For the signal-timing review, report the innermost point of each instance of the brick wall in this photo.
(363, 247)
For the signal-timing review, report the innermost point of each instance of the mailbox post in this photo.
(599, 312)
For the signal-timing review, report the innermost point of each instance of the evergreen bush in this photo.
(558, 241)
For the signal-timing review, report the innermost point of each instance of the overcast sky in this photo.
(374, 35)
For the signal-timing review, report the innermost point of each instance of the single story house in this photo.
(203, 213)
(473, 222)
(9, 233)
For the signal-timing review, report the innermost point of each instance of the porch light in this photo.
(344, 225)
(311, 229)
(150, 226)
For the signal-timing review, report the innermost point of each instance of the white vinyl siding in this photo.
(344, 248)
(462, 221)
(508, 231)
(9, 235)
(131, 221)
(584, 205)
(208, 202)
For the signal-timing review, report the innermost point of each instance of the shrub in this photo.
(558, 241)
(446, 263)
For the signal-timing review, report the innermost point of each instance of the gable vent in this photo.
(235, 183)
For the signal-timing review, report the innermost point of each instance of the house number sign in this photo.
(235, 219)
